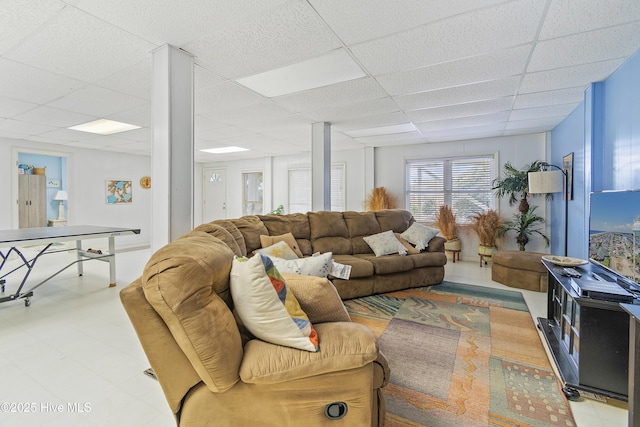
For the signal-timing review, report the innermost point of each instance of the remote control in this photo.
(571, 272)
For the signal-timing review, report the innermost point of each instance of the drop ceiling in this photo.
(434, 70)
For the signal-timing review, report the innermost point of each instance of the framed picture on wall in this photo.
(567, 166)
(119, 191)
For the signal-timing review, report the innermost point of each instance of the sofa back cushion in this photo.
(237, 235)
(296, 224)
(251, 228)
(221, 233)
(187, 283)
(397, 220)
(329, 233)
(360, 225)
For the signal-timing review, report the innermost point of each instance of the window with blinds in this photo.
(464, 183)
(300, 189)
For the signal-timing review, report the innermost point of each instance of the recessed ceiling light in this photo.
(223, 150)
(335, 67)
(104, 127)
(384, 130)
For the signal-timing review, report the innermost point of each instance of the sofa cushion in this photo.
(278, 250)
(251, 228)
(187, 284)
(267, 241)
(428, 259)
(397, 220)
(221, 233)
(266, 307)
(419, 235)
(345, 346)
(338, 245)
(388, 264)
(408, 246)
(318, 265)
(318, 298)
(385, 243)
(327, 224)
(359, 267)
(361, 223)
(296, 224)
(237, 235)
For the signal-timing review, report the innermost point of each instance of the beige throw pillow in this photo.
(318, 298)
(267, 241)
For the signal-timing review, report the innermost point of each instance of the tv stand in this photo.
(588, 338)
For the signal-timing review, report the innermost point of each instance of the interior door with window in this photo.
(214, 200)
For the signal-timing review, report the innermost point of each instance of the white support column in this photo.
(321, 166)
(172, 145)
(369, 171)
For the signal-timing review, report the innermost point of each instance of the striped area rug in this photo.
(462, 355)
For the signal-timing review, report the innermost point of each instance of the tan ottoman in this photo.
(520, 269)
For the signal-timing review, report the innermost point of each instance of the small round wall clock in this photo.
(145, 182)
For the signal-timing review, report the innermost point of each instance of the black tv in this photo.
(614, 233)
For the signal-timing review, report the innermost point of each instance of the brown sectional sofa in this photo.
(342, 234)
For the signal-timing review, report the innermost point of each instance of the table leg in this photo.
(112, 262)
(79, 257)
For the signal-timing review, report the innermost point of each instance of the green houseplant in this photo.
(515, 185)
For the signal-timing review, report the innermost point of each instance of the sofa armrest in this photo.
(382, 374)
(343, 346)
(436, 244)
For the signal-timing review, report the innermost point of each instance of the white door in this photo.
(214, 199)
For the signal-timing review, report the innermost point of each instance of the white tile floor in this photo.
(72, 358)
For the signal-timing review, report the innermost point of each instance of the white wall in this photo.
(518, 150)
(88, 171)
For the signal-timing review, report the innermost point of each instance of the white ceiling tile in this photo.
(139, 116)
(358, 20)
(461, 110)
(18, 127)
(65, 135)
(333, 95)
(469, 132)
(205, 78)
(594, 46)
(351, 111)
(508, 25)
(12, 107)
(460, 122)
(81, 46)
(542, 112)
(392, 139)
(19, 18)
(475, 69)
(32, 85)
(134, 80)
(570, 16)
(96, 101)
(534, 125)
(54, 117)
(141, 135)
(579, 75)
(289, 34)
(263, 112)
(552, 97)
(368, 122)
(228, 95)
(460, 94)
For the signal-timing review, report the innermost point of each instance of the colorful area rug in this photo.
(462, 355)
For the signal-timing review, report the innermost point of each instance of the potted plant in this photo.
(515, 186)
(488, 226)
(446, 222)
(524, 225)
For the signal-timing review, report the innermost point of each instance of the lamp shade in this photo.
(545, 182)
(61, 195)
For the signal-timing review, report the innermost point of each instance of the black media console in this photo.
(588, 337)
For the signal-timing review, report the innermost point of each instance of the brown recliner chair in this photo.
(213, 374)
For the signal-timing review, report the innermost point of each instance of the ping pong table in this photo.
(14, 240)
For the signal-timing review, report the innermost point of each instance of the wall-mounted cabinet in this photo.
(32, 201)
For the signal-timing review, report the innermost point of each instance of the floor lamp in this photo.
(545, 182)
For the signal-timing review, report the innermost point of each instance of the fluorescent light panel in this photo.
(223, 150)
(104, 127)
(384, 130)
(335, 67)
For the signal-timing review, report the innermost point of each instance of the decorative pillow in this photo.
(278, 250)
(266, 307)
(288, 237)
(408, 246)
(318, 298)
(419, 235)
(316, 265)
(385, 243)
